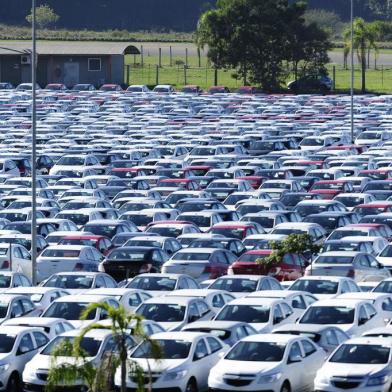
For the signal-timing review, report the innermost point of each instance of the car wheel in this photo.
(14, 383)
(285, 387)
(191, 386)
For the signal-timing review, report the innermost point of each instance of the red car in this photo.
(99, 242)
(238, 230)
(328, 189)
(292, 267)
(373, 208)
(377, 174)
(255, 181)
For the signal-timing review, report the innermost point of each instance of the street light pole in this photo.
(352, 73)
(33, 147)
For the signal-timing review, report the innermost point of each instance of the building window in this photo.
(94, 64)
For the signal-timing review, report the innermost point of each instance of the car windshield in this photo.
(71, 161)
(191, 256)
(156, 283)
(68, 310)
(384, 287)
(162, 312)
(373, 354)
(5, 281)
(315, 286)
(328, 315)
(77, 241)
(170, 349)
(6, 342)
(166, 231)
(104, 230)
(305, 210)
(60, 253)
(70, 282)
(338, 234)
(350, 201)
(235, 285)
(78, 219)
(386, 252)
(127, 254)
(229, 232)
(90, 346)
(244, 313)
(334, 260)
(257, 352)
(340, 246)
(3, 309)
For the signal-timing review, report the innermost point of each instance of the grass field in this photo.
(378, 80)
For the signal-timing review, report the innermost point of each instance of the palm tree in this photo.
(364, 37)
(100, 378)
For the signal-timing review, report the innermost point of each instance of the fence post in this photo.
(186, 56)
(382, 76)
(128, 69)
(160, 58)
(333, 78)
(199, 57)
(171, 56)
(141, 55)
(157, 75)
(185, 83)
(215, 76)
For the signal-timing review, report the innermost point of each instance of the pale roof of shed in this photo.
(69, 48)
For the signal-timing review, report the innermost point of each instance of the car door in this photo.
(312, 361)
(375, 318)
(295, 367)
(204, 311)
(362, 320)
(203, 362)
(25, 351)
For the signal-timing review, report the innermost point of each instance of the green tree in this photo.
(44, 16)
(364, 39)
(100, 378)
(253, 37)
(301, 244)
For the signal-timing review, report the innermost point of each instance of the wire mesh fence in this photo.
(378, 79)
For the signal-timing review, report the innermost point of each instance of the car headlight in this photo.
(176, 375)
(322, 378)
(266, 379)
(4, 367)
(380, 379)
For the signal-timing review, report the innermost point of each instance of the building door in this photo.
(71, 74)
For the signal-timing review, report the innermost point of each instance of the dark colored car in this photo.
(129, 261)
(312, 83)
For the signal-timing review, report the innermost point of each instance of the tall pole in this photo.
(33, 149)
(352, 72)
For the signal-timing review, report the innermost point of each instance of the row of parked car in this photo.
(166, 203)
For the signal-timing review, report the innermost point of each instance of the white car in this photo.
(67, 258)
(51, 326)
(216, 299)
(129, 298)
(18, 261)
(263, 314)
(352, 316)
(70, 308)
(360, 364)
(268, 362)
(42, 297)
(17, 346)
(173, 313)
(96, 343)
(187, 358)
(325, 287)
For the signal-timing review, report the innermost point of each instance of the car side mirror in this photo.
(197, 356)
(294, 359)
(22, 350)
(362, 321)
(192, 318)
(277, 320)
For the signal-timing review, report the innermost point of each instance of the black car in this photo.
(129, 261)
(312, 83)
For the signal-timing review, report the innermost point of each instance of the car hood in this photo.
(5, 358)
(245, 367)
(80, 324)
(44, 362)
(356, 370)
(325, 296)
(385, 261)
